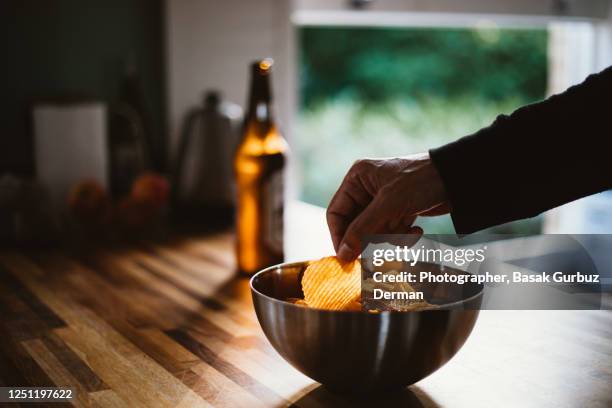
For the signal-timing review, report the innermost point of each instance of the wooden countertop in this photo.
(170, 325)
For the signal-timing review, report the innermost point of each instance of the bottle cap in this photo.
(262, 66)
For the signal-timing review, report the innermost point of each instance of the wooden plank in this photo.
(220, 390)
(17, 367)
(195, 287)
(16, 288)
(19, 320)
(86, 377)
(57, 372)
(10, 374)
(249, 383)
(199, 267)
(217, 248)
(108, 399)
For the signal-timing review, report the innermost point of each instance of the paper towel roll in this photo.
(70, 145)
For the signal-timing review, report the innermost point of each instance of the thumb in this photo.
(370, 221)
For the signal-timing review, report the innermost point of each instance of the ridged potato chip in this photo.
(331, 284)
(354, 306)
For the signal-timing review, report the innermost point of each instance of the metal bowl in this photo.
(359, 351)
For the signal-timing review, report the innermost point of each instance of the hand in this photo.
(383, 196)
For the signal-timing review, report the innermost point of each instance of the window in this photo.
(376, 92)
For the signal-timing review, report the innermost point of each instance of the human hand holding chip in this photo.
(383, 196)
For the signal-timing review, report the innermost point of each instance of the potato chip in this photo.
(354, 306)
(331, 284)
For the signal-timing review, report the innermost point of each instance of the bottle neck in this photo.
(260, 98)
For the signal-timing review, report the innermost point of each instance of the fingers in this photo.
(400, 224)
(350, 199)
(369, 221)
(337, 224)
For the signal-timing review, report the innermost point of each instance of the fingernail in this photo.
(345, 253)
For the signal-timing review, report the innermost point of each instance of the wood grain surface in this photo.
(172, 326)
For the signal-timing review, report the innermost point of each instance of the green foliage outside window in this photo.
(368, 92)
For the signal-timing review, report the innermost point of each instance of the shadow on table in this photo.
(412, 397)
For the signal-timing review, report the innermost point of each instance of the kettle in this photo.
(203, 182)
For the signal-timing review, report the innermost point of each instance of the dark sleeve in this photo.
(539, 157)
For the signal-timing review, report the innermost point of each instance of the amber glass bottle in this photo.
(259, 166)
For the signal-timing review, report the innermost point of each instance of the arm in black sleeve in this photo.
(541, 156)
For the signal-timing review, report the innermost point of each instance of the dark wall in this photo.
(52, 48)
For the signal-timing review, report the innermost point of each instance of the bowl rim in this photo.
(442, 307)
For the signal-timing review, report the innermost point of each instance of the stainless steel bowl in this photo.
(358, 351)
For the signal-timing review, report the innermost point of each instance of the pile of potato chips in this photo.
(334, 285)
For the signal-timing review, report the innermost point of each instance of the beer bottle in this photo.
(259, 166)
